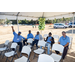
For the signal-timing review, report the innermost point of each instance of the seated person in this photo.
(30, 35)
(17, 38)
(50, 42)
(64, 40)
(36, 39)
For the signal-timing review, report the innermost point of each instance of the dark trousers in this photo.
(35, 42)
(64, 52)
(24, 42)
(20, 45)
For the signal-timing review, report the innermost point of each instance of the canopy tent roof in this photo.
(14, 17)
(60, 16)
(34, 15)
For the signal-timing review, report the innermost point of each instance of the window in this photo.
(61, 24)
(56, 24)
(70, 23)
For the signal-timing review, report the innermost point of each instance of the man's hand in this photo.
(66, 45)
(44, 39)
(33, 38)
(25, 38)
(50, 39)
(58, 42)
(12, 28)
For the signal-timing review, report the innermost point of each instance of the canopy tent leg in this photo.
(73, 25)
(17, 21)
(17, 24)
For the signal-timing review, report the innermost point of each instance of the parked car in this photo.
(60, 25)
(10, 25)
(5, 25)
(71, 24)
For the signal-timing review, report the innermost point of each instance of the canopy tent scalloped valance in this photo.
(35, 15)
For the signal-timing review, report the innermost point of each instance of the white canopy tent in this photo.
(36, 15)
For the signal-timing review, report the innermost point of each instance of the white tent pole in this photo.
(17, 23)
(43, 14)
(73, 24)
(5, 21)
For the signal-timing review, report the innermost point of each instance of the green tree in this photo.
(1, 21)
(20, 22)
(25, 21)
(48, 21)
(31, 21)
(7, 21)
(55, 20)
(63, 19)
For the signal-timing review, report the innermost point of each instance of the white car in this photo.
(10, 25)
(60, 25)
(5, 25)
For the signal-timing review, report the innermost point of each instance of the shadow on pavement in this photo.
(70, 31)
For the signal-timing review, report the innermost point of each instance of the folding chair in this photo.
(6, 43)
(59, 48)
(70, 44)
(5, 48)
(56, 37)
(12, 53)
(25, 50)
(30, 42)
(45, 35)
(39, 50)
(40, 37)
(45, 58)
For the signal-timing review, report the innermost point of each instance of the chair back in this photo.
(55, 36)
(30, 40)
(26, 50)
(6, 42)
(40, 37)
(45, 35)
(58, 47)
(14, 45)
(41, 43)
(45, 58)
(70, 39)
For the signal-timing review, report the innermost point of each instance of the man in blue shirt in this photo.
(49, 41)
(30, 35)
(17, 38)
(64, 40)
(36, 39)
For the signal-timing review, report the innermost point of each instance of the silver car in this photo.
(60, 25)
